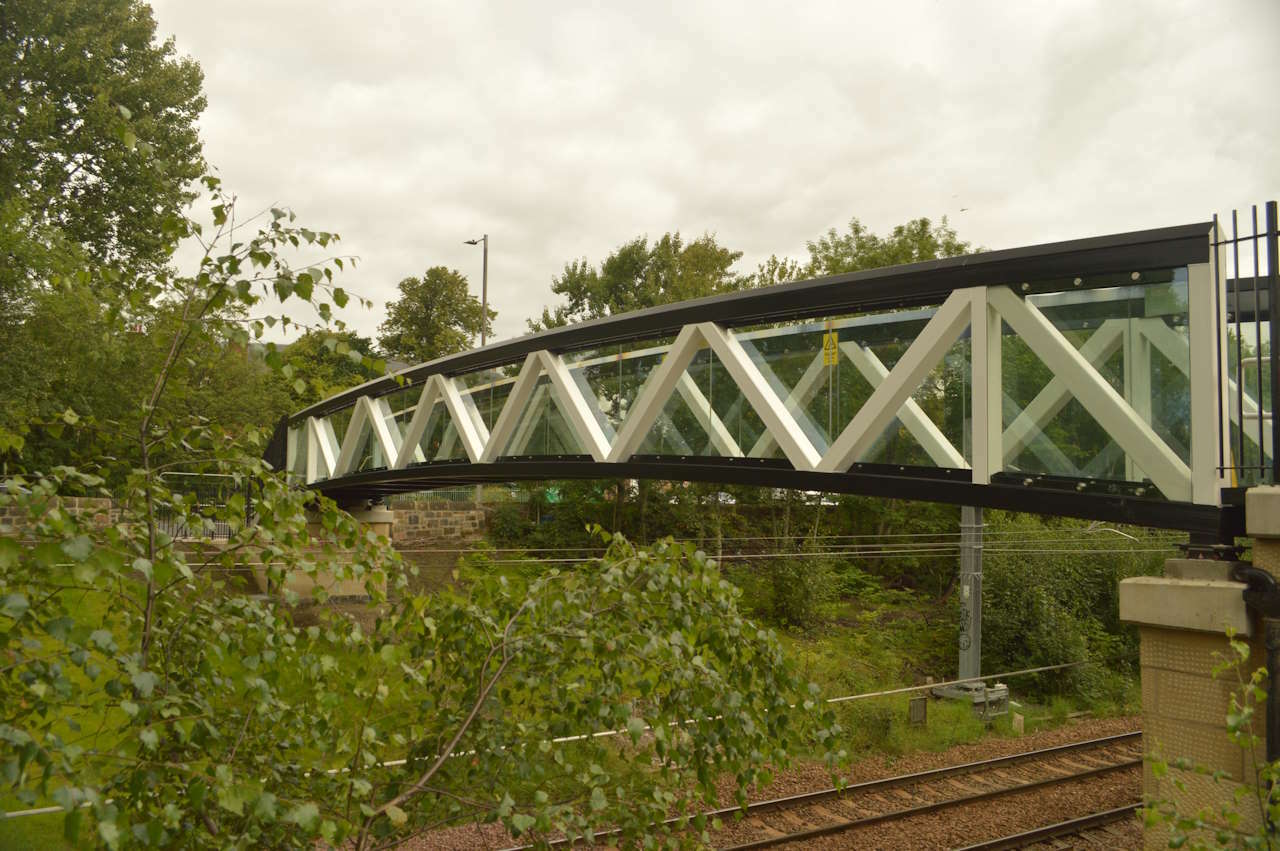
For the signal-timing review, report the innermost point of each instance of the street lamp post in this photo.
(484, 284)
(484, 322)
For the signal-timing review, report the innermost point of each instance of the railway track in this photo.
(1093, 826)
(825, 812)
(813, 815)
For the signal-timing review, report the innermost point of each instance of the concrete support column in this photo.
(1182, 620)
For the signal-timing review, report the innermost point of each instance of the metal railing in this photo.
(1245, 259)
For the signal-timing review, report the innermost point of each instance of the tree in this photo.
(161, 706)
(637, 275)
(329, 361)
(98, 142)
(436, 315)
(859, 248)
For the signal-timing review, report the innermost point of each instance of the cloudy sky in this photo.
(564, 129)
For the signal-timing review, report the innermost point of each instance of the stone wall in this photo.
(100, 509)
(417, 522)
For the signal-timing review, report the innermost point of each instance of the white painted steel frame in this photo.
(980, 309)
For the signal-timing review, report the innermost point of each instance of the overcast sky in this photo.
(564, 129)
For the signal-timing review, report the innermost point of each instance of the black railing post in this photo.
(1273, 260)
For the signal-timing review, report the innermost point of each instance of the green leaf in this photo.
(110, 833)
(397, 816)
(521, 822)
(598, 800)
(150, 738)
(124, 111)
(306, 816)
(265, 807)
(14, 605)
(636, 727)
(10, 553)
(78, 548)
(340, 297)
(71, 825)
(144, 682)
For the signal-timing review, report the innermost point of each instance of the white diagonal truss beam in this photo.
(516, 402)
(937, 336)
(1177, 350)
(410, 450)
(1095, 394)
(655, 392)
(919, 424)
(1053, 397)
(366, 416)
(322, 449)
(575, 408)
(784, 428)
(466, 419)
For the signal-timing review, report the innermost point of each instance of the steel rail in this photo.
(886, 783)
(921, 809)
(1070, 827)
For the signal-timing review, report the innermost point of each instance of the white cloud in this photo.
(564, 130)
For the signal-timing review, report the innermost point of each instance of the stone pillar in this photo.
(1182, 620)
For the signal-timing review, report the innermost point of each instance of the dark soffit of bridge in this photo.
(910, 285)
(1043, 496)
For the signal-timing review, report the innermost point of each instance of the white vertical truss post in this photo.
(1206, 428)
(986, 417)
(1137, 382)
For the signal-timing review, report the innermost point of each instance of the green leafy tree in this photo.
(639, 275)
(329, 361)
(435, 315)
(858, 248)
(98, 142)
(161, 706)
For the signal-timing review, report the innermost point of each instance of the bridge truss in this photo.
(1102, 378)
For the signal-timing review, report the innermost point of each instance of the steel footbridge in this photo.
(1125, 378)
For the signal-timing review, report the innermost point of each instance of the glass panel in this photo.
(542, 428)
(827, 370)
(613, 377)
(1135, 335)
(339, 420)
(440, 440)
(488, 390)
(707, 415)
(297, 451)
(931, 429)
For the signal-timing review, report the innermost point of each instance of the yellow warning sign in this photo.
(830, 348)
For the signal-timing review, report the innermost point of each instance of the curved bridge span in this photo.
(1091, 378)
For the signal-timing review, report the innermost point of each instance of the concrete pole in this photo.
(970, 639)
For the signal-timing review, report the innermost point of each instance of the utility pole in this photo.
(987, 700)
(970, 639)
